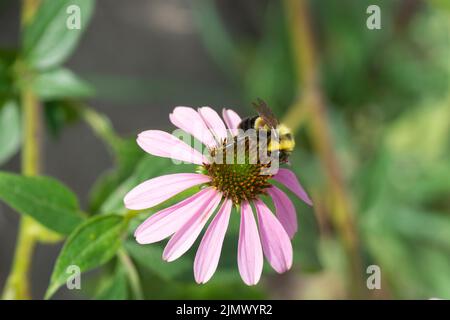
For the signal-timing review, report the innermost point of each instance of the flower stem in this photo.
(17, 285)
(31, 158)
(101, 126)
(311, 106)
(29, 8)
(132, 274)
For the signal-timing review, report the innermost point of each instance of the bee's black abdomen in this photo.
(247, 123)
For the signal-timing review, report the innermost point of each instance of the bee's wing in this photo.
(265, 113)
(244, 141)
(241, 139)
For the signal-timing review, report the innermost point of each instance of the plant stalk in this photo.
(310, 106)
(101, 125)
(18, 284)
(132, 274)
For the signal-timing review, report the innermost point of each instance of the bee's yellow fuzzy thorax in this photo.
(286, 141)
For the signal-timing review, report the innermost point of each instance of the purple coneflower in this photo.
(223, 185)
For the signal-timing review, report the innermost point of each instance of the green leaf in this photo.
(43, 198)
(47, 40)
(423, 261)
(275, 81)
(412, 133)
(127, 155)
(215, 36)
(116, 288)
(10, 133)
(7, 59)
(60, 83)
(147, 168)
(426, 226)
(151, 258)
(60, 113)
(92, 244)
(441, 4)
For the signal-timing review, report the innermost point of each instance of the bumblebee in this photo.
(265, 120)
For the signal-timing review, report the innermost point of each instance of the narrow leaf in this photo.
(151, 258)
(10, 133)
(60, 83)
(48, 41)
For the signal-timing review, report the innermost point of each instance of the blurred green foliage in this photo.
(388, 95)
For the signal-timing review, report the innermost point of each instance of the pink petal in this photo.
(288, 178)
(232, 119)
(163, 144)
(250, 256)
(189, 120)
(154, 191)
(214, 123)
(185, 237)
(275, 241)
(208, 253)
(285, 210)
(166, 222)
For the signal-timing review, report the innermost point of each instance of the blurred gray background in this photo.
(142, 56)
